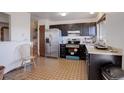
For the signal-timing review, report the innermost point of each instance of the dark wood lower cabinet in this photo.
(63, 50)
(96, 61)
(82, 52)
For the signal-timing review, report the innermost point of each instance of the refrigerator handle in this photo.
(50, 39)
(50, 43)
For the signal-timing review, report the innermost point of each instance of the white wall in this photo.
(115, 30)
(20, 26)
(10, 55)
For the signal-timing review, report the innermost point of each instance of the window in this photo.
(101, 29)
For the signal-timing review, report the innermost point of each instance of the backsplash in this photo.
(82, 39)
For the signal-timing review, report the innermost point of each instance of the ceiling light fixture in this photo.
(63, 14)
(91, 12)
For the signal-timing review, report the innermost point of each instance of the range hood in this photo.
(74, 33)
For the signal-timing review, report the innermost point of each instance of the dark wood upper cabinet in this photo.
(92, 29)
(86, 29)
(64, 29)
(73, 27)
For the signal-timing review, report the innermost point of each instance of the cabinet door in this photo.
(92, 29)
(73, 27)
(88, 29)
(62, 50)
(85, 29)
(64, 29)
(82, 52)
(54, 26)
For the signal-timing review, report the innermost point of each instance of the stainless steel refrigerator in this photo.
(52, 42)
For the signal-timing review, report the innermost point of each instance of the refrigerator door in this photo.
(55, 38)
(47, 48)
(52, 38)
(47, 45)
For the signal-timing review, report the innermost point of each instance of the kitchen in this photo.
(85, 59)
(82, 41)
(72, 38)
(72, 30)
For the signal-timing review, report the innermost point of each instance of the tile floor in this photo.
(50, 69)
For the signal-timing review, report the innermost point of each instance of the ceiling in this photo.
(55, 16)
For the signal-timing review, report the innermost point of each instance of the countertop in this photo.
(92, 50)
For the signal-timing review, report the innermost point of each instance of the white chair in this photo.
(27, 55)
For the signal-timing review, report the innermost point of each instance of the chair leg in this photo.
(23, 64)
(33, 60)
(25, 67)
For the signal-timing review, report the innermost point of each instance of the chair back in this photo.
(24, 51)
